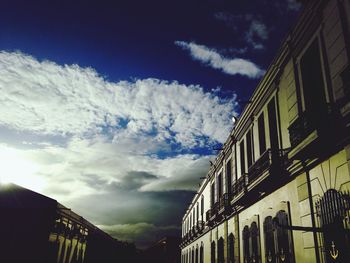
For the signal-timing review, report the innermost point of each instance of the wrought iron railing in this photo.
(224, 202)
(239, 186)
(200, 226)
(300, 129)
(267, 160)
(260, 166)
(208, 215)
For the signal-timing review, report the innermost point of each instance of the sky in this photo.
(114, 108)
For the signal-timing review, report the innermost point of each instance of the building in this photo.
(165, 250)
(38, 229)
(278, 191)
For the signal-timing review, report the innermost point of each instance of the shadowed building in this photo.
(165, 250)
(278, 191)
(38, 229)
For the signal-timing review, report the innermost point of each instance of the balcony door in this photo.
(312, 81)
(271, 110)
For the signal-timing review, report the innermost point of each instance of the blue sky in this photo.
(114, 108)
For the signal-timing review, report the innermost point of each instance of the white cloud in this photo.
(234, 66)
(47, 98)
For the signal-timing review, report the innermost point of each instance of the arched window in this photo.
(246, 250)
(197, 254)
(231, 249)
(201, 254)
(270, 253)
(255, 243)
(192, 258)
(212, 252)
(284, 248)
(333, 211)
(221, 250)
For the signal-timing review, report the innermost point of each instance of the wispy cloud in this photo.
(231, 66)
(256, 33)
(293, 5)
(88, 142)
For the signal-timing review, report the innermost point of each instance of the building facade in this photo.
(278, 191)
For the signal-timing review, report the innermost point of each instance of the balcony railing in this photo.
(267, 160)
(200, 226)
(300, 129)
(224, 203)
(239, 186)
(326, 120)
(194, 231)
(212, 213)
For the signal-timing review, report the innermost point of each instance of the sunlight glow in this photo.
(16, 168)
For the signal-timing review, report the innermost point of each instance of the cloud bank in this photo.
(210, 57)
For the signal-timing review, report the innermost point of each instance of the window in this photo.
(219, 186)
(212, 201)
(197, 254)
(221, 250)
(271, 109)
(212, 252)
(228, 176)
(202, 206)
(262, 136)
(312, 80)
(201, 254)
(197, 211)
(231, 249)
(249, 148)
(241, 147)
(283, 238)
(192, 258)
(270, 254)
(194, 216)
(255, 243)
(246, 249)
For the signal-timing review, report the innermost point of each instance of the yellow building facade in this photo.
(278, 191)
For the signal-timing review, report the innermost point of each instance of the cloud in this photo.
(117, 153)
(210, 57)
(293, 5)
(257, 31)
(51, 99)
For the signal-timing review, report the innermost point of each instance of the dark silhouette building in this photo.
(37, 229)
(166, 250)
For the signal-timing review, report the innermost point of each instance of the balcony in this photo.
(200, 226)
(212, 213)
(269, 164)
(238, 188)
(300, 129)
(194, 231)
(312, 133)
(224, 204)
